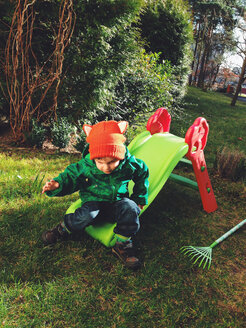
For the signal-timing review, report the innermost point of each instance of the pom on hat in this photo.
(106, 139)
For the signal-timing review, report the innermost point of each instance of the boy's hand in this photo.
(141, 207)
(50, 185)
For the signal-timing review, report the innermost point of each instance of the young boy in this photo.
(102, 177)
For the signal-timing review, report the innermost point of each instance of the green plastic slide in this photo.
(161, 152)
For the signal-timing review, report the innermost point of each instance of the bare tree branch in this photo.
(23, 79)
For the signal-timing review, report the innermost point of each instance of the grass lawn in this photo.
(79, 283)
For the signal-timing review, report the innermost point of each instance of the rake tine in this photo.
(192, 254)
(205, 257)
(199, 250)
(210, 261)
(197, 258)
(201, 254)
(195, 254)
(184, 248)
(186, 251)
(201, 261)
(190, 250)
(205, 263)
(202, 250)
(205, 253)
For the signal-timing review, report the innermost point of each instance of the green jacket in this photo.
(94, 185)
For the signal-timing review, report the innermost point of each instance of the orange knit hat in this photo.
(106, 139)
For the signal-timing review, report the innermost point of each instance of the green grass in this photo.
(226, 123)
(80, 284)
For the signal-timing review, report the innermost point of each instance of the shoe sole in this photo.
(128, 265)
(45, 241)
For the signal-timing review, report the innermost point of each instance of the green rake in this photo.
(204, 254)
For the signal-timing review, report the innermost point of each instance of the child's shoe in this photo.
(125, 252)
(52, 236)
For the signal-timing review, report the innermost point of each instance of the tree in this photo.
(213, 21)
(236, 70)
(219, 43)
(166, 27)
(102, 47)
(103, 73)
(28, 80)
(241, 49)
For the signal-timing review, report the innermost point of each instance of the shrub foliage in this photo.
(106, 73)
(166, 27)
(61, 132)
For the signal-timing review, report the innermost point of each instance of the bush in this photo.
(103, 46)
(143, 89)
(105, 73)
(80, 142)
(37, 135)
(231, 164)
(61, 132)
(166, 27)
(100, 50)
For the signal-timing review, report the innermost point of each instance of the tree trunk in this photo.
(205, 57)
(202, 67)
(197, 65)
(194, 55)
(216, 73)
(240, 82)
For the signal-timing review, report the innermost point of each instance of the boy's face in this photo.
(107, 164)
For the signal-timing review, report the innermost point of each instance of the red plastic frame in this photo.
(159, 122)
(196, 138)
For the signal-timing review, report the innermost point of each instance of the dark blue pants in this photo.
(124, 212)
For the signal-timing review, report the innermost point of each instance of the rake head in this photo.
(201, 255)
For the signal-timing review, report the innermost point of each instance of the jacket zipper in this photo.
(113, 187)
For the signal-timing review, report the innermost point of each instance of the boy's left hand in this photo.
(141, 207)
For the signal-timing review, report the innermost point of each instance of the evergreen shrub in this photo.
(37, 134)
(103, 47)
(80, 141)
(166, 27)
(144, 88)
(105, 72)
(61, 132)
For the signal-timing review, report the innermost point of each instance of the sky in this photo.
(233, 60)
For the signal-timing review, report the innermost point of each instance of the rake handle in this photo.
(228, 233)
